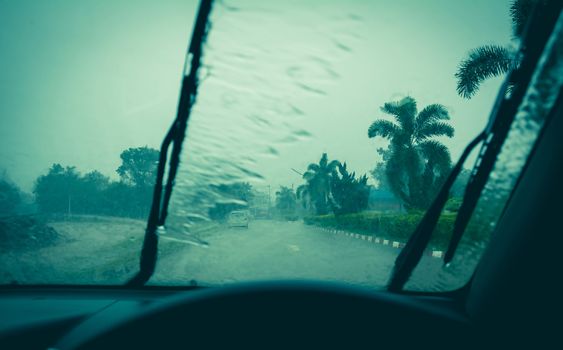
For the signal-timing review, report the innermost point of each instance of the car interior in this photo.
(512, 299)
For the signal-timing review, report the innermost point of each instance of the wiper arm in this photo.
(413, 250)
(174, 136)
(542, 21)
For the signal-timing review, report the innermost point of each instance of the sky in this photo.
(282, 82)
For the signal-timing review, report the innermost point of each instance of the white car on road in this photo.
(238, 218)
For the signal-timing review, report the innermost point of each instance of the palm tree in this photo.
(493, 60)
(417, 164)
(302, 193)
(285, 200)
(317, 189)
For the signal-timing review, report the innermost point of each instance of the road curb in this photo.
(379, 240)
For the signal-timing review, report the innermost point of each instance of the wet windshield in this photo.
(326, 126)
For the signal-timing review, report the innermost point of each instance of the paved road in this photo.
(277, 250)
(106, 250)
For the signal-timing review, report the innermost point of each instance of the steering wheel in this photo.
(289, 314)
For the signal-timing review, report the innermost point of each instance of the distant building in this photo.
(383, 200)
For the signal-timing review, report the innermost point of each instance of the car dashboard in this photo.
(246, 314)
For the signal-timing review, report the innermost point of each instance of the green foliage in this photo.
(315, 193)
(138, 166)
(125, 200)
(493, 60)
(55, 191)
(286, 202)
(231, 197)
(132, 196)
(520, 11)
(378, 172)
(415, 165)
(389, 226)
(329, 185)
(10, 197)
(481, 64)
(63, 190)
(349, 195)
(88, 193)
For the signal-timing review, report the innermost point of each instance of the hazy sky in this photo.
(284, 81)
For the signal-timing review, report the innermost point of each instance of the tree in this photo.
(10, 197)
(55, 191)
(417, 164)
(350, 195)
(138, 171)
(121, 199)
(286, 202)
(138, 166)
(493, 60)
(378, 172)
(63, 190)
(317, 187)
(89, 198)
(302, 193)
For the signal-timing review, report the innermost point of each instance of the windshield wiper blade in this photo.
(542, 22)
(174, 136)
(413, 250)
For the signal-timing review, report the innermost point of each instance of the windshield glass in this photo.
(334, 123)
(321, 132)
(88, 90)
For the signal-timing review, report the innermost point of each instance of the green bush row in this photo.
(389, 226)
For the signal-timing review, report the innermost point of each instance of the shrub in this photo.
(390, 226)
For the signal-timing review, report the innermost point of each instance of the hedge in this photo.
(389, 226)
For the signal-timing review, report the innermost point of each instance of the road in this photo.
(102, 250)
(277, 250)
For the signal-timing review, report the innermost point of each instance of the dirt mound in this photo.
(26, 232)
